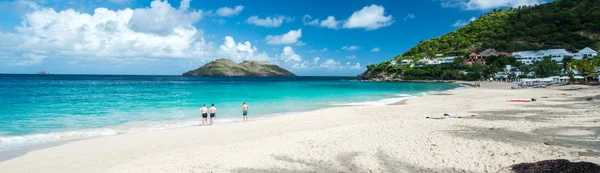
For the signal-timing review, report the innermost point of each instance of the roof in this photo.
(542, 52)
(587, 50)
(489, 52)
(473, 54)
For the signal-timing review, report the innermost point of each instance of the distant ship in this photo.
(42, 73)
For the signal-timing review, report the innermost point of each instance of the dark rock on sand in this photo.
(553, 166)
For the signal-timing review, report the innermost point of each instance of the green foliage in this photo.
(569, 24)
(560, 24)
(433, 73)
(546, 68)
(586, 65)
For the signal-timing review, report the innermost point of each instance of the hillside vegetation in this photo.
(569, 24)
(225, 67)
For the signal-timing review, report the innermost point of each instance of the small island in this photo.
(225, 67)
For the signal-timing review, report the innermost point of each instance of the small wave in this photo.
(10, 142)
(404, 95)
(381, 102)
(461, 87)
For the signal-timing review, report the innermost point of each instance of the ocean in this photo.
(42, 109)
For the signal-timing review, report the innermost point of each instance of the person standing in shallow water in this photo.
(204, 112)
(212, 111)
(245, 111)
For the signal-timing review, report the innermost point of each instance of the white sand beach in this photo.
(562, 124)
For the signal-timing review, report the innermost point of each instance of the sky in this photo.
(308, 37)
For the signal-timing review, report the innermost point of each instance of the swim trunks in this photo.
(245, 112)
(204, 115)
(212, 115)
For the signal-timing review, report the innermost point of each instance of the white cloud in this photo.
(487, 4)
(330, 22)
(461, 23)
(331, 64)
(349, 48)
(241, 51)
(409, 16)
(356, 66)
(120, 36)
(324, 50)
(375, 49)
(300, 43)
(312, 51)
(228, 12)
(351, 57)
(290, 37)
(160, 18)
(29, 59)
(370, 17)
(272, 22)
(288, 55)
(316, 60)
(307, 20)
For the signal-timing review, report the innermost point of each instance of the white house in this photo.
(427, 61)
(394, 62)
(406, 62)
(529, 57)
(446, 60)
(585, 52)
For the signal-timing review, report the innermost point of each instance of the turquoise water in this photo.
(51, 108)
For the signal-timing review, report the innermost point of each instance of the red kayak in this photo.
(518, 100)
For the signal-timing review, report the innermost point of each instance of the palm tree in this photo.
(582, 66)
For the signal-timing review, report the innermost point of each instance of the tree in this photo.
(566, 60)
(546, 68)
(583, 66)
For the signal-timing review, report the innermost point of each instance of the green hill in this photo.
(225, 67)
(569, 24)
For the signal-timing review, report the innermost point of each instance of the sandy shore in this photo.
(493, 134)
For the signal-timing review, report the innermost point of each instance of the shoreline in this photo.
(152, 126)
(394, 131)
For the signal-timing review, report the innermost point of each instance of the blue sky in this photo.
(311, 37)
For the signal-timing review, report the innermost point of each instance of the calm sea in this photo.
(38, 109)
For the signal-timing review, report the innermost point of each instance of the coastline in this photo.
(23, 143)
(364, 134)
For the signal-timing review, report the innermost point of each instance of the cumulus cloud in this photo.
(241, 51)
(330, 22)
(324, 50)
(272, 22)
(351, 57)
(331, 64)
(349, 48)
(160, 18)
(409, 16)
(487, 4)
(370, 17)
(228, 12)
(375, 49)
(461, 23)
(290, 37)
(118, 36)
